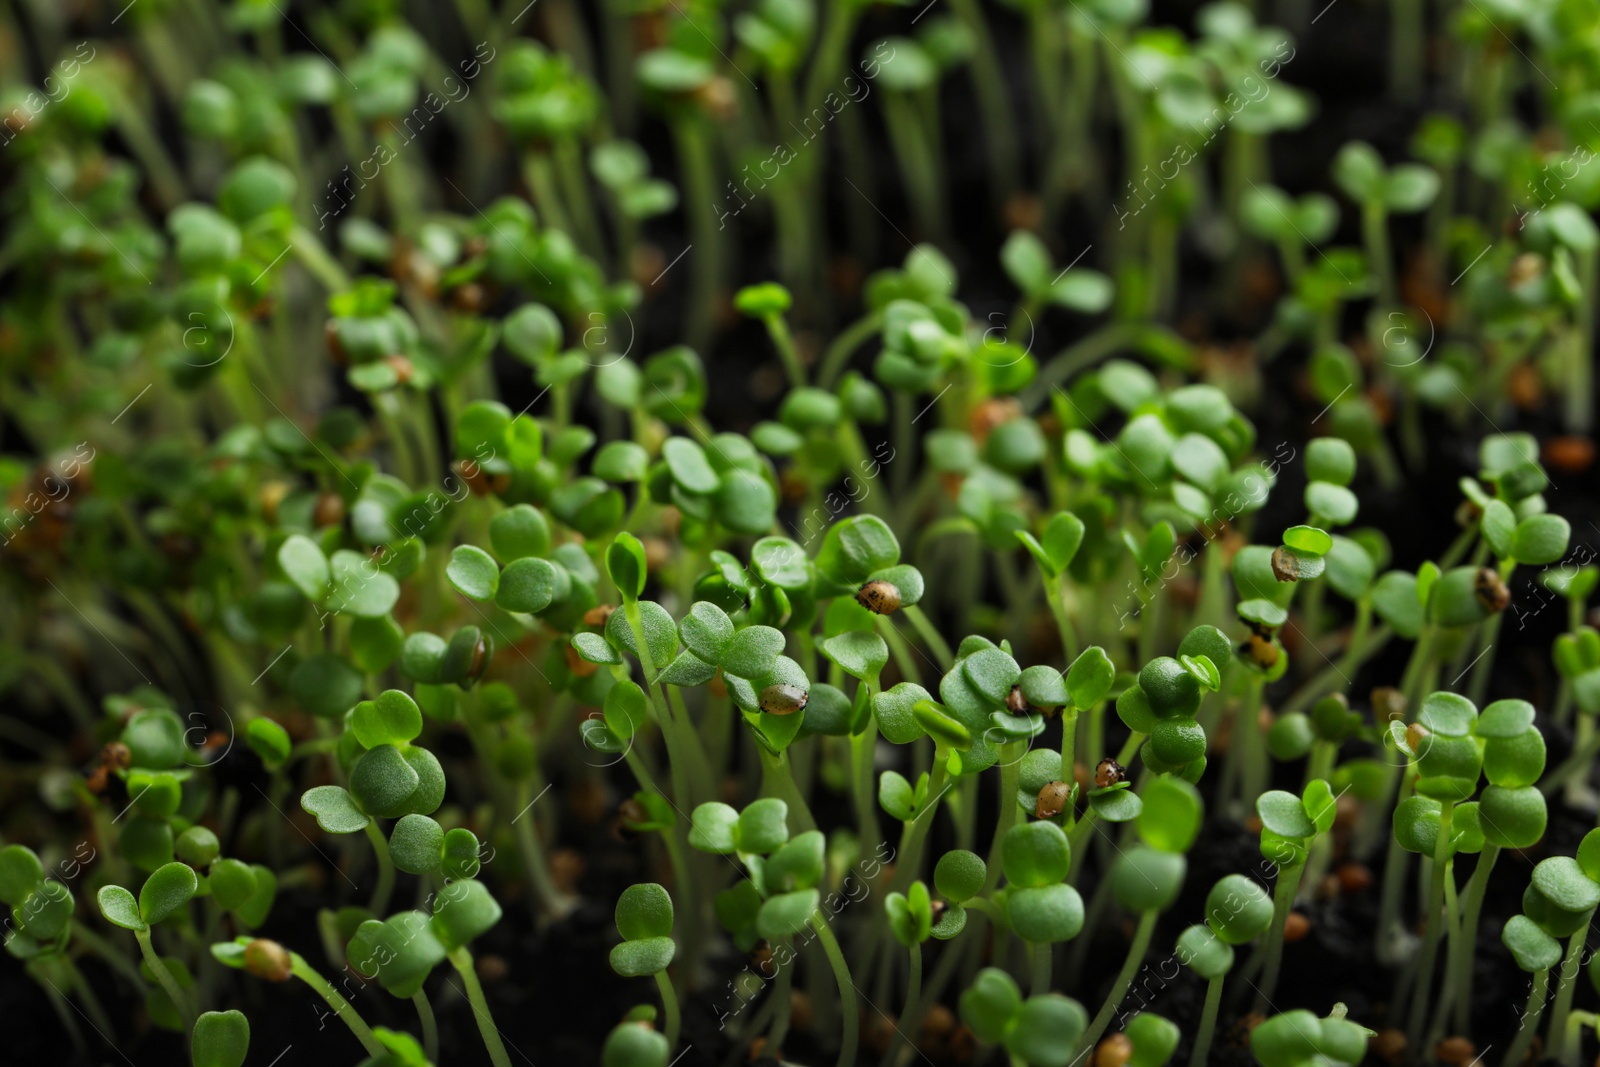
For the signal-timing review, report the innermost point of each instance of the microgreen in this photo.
(562, 524)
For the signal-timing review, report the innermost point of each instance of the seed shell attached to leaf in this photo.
(783, 699)
(879, 597)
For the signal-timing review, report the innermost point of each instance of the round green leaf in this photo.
(165, 891)
(1035, 854)
(1171, 816)
(1532, 948)
(417, 844)
(221, 1039)
(1238, 909)
(1200, 948)
(382, 782)
(473, 572)
(119, 908)
(1541, 539)
(392, 719)
(1284, 814)
(334, 809)
(1144, 879)
(463, 911)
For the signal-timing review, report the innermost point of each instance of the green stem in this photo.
(1282, 900)
(783, 341)
(908, 863)
(847, 989)
(931, 637)
(430, 1026)
(779, 781)
(341, 1007)
(669, 1007)
(1010, 772)
(1119, 989)
(1208, 1022)
(380, 848)
(169, 985)
(1471, 907)
(1042, 953)
(1530, 1019)
(910, 1017)
(461, 959)
(1436, 923)
(846, 342)
(699, 191)
(1570, 966)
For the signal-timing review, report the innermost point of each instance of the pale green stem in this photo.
(1282, 900)
(430, 1026)
(1119, 989)
(1557, 1034)
(669, 1007)
(1436, 923)
(461, 959)
(341, 1007)
(1471, 907)
(1208, 1022)
(910, 1017)
(1530, 1019)
(380, 848)
(931, 636)
(169, 985)
(847, 989)
(848, 340)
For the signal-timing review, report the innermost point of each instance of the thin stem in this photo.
(847, 989)
(908, 863)
(1042, 953)
(1430, 944)
(931, 637)
(380, 848)
(1282, 900)
(1119, 989)
(1530, 1019)
(1208, 1022)
(1557, 1034)
(430, 1026)
(783, 341)
(782, 997)
(461, 959)
(780, 782)
(1010, 772)
(669, 1007)
(1471, 907)
(839, 351)
(909, 1017)
(163, 977)
(1069, 740)
(341, 1007)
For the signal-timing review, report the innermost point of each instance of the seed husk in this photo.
(1388, 703)
(1052, 800)
(329, 510)
(1285, 565)
(268, 959)
(1260, 651)
(1491, 590)
(783, 699)
(879, 597)
(1108, 772)
(1114, 1051)
(1016, 703)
